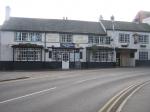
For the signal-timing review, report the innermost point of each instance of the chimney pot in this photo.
(7, 13)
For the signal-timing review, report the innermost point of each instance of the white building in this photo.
(133, 41)
(29, 43)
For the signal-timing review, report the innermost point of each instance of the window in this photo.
(144, 39)
(102, 56)
(27, 54)
(107, 40)
(50, 54)
(28, 37)
(143, 55)
(81, 55)
(99, 39)
(124, 38)
(65, 38)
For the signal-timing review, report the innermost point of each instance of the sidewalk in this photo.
(17, 75)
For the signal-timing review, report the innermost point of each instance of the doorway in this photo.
(65, 60)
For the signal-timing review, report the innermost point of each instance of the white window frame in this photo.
(27, 54)
(124, 38)
(66, 38)
(92, 39)
(143, 55)
(28, 37)
(144, 39)
(102, 56)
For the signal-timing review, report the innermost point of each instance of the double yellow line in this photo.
(116, 103)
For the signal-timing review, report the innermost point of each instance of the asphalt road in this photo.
(139, 102)
(74, 91)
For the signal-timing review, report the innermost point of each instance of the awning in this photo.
(125, 50)
(99, 48)
(27, 45)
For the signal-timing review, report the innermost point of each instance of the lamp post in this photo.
(113, 36)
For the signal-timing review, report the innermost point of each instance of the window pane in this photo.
(143, 55)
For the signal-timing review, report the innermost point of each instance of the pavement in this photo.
(18, 75)
(66, 91)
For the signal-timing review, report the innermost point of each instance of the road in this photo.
(74, 91)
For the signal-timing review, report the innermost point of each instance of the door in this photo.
(125, 59)
(65, 60)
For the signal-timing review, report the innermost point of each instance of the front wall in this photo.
(7, 40)
(52, 40)
(131, 44)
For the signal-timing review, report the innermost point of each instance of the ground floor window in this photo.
(71, 55)
(101, 56)
(143, 55)
(27, 54)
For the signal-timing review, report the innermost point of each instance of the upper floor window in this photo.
(143, 39)
(124, 38)
(28, 36)
(66, 38)
(99, 39)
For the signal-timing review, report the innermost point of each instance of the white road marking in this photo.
(81, 81)
(31, 94)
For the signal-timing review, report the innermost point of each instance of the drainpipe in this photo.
(0, 45)
(44, 47)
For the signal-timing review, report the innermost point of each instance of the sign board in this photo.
(52, 38)
(80, 39)
(67, 45)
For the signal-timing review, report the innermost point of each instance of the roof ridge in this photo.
(124, 22)
(54, 19)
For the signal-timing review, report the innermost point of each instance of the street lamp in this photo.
(113, 36)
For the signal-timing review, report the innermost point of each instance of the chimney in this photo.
(7, 13)
(100, 17)
(112, 18)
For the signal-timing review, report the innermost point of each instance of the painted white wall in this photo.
(52, 39)
(115, 36)
(7, 40)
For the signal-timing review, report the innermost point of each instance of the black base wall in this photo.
(9, 65)
(144, 63)
(97, 65)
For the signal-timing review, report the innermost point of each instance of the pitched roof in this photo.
(126, 26)
(52, 25)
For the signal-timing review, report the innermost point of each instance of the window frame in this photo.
(143, 55)
(144, 39)
(28, 37)
(99, 40)
(66, 38)
(124, 38)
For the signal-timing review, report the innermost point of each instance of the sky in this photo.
(88, 10)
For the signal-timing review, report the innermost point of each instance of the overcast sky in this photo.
(89, 10)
